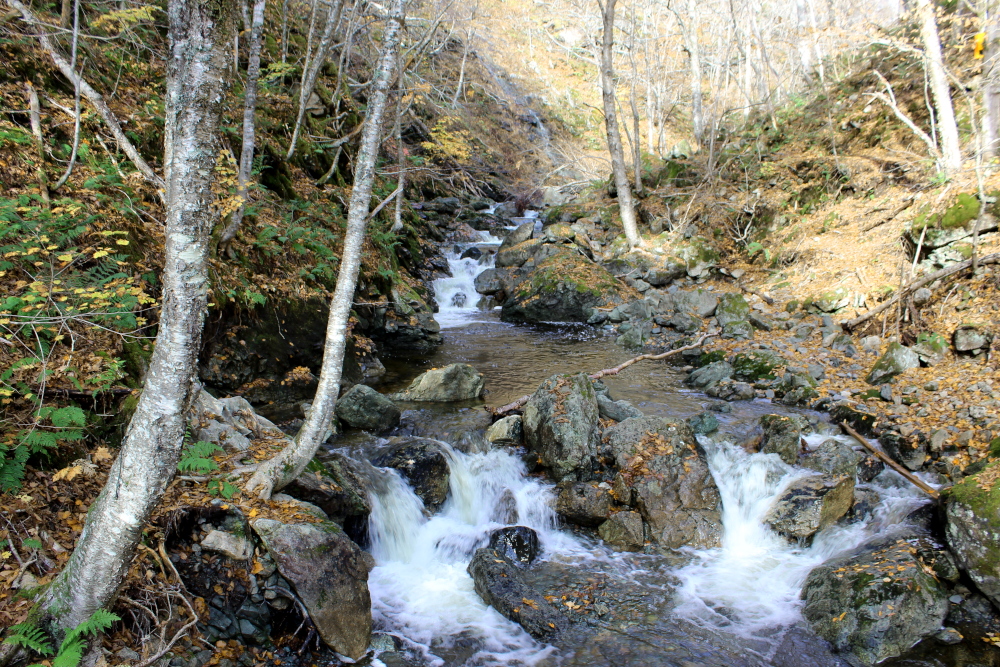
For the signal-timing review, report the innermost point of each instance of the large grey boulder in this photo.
(616, 410)
(519, 235)
(338, 488)
(584, 503)
(488, 282)
(969, 338)
(710, 374)
(330, 576)
(500, 584)
(896, 359)
(363, 407)
(560, 424)
(663, 472)
(910, 451)
(698, 302)
(833, 457)
(732, 308)
(811, 504)
(506, 431)
(973, 531)
(782, 436)
(455, 382)
(424, 466)
(877, 602)
(517, 255)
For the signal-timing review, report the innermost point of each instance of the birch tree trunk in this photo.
(947, 127)
(991, 80)
(200, 34)
(312, 68)
(277, 472)
(249, 126)
(625, 204)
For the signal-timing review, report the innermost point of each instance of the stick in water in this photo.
(514, 405)
(920, 484)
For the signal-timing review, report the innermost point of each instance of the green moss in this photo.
(710, 358)
(985, 504)
(755, 366)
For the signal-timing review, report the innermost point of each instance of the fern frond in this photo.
(29, 636)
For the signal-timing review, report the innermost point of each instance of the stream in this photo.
(734, 605)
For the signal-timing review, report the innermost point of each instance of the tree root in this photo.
(514, 405)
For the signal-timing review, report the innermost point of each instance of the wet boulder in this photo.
(562, 286)
(973, 529)
(506, 431)
(584, 503)
(663, 472)
(877, 602)
(489, 283)
(782, 436)
(616, 410)
(517, 255)
(811, 504)
(560, 424)
(833, 457)
(423, 465)
(910, 450)
(455, 382)
(363, 407)
(895, 360)
(704, 423)
(623, 531)
(518, 544)
(330, 576)
(518, 236)
(732, 391)
(710, 374)
(498, 581)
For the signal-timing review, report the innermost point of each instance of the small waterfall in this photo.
(456, 295)
(752, 582)
(420, 587)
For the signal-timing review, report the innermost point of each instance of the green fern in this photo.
(72, 647)
(195, 457)
(29, 636)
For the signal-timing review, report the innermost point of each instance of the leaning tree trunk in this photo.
(199, 37)
(625, 204)
(249, 126)
(275, 473)
(947, 127)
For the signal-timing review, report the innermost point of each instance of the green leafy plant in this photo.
(33, 638)
(196, 457)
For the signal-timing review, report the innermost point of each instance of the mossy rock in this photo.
(828, 302)
(973, 528)
(935, 230)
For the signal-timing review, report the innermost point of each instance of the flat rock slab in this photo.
(330, 576)
(498, 582)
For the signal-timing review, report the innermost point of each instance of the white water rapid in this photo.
(420, 588)
(752, 582)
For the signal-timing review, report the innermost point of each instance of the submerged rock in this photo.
(363, 407)
(584, 503)
(877, 602)
(560, 424)
(499, 583)
(518, 544)
(616, 410)
(330, 576)
(710, 374)
(455, 382)
(811, 504)
(423, 465)
(664, 472)
(623, 531)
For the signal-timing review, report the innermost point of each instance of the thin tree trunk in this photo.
(76, 99)
(947, 127)
(991, 80)
(311, 70)
(275, 473)
(626, 206)
(95, 98)
(199, 38)
(249, 126)
(35, 117)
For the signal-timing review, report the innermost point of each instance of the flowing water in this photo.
(734, 605)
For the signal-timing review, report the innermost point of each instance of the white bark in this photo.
(626, 206)
(95, 97)
(947, 127)
(249, 125)
(991, 79)
(311, 69)
(199, 38)
(275, 473)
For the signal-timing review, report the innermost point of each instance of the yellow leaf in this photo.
(122, 241)
(100, 253)
(102, 454)
(67, 473)
(65, 258)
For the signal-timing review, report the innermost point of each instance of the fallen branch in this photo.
(514, 405)
(892, 216)
(917, 284)
(768, 300)
(95, 97)
(919, 483)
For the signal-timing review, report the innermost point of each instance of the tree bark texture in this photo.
(249, 126)
(200, 34)
(626, 206)
(991, 80)
(277, 472)
(941, 91)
